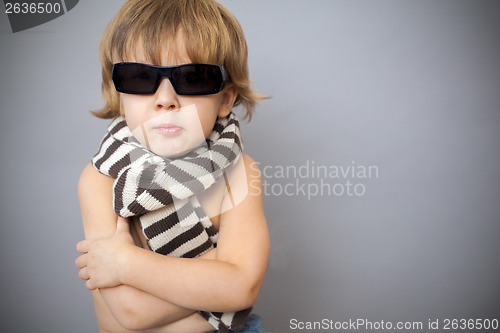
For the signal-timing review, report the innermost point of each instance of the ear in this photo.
(227, 101)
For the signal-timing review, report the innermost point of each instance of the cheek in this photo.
(125, 102)
(207, 117)
(208, 125)
(130, 107)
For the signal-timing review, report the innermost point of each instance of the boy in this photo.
(172, 163)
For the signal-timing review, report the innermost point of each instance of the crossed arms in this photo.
(144, 290)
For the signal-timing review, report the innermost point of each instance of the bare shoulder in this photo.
(92, 180)
(253, 177)
(96, 202)
(252, 167)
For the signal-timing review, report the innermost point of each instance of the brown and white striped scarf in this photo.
(162, 192)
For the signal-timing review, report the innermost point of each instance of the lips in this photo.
(168, 129)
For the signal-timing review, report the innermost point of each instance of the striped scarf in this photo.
(161, 192)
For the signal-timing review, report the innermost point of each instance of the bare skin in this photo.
(142, 293)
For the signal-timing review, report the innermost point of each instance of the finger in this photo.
(90, 285)
(83, 246)
(83, 274)
(81, 261)
(122, 225)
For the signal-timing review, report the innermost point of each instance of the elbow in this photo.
(252, 294)
(245, 290)
(245, 297)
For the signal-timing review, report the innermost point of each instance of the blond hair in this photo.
(211, 35)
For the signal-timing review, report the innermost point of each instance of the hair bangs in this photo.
(145, 38)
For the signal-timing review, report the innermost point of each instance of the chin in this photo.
(174, 149)
(170, 152)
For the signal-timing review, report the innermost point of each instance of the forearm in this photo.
(137, 310)
(208, 285)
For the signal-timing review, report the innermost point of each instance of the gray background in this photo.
(412, 87)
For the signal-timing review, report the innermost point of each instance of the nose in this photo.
(166, 97)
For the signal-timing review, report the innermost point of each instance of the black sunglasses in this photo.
(189, 79)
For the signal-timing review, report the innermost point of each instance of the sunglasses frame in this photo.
(166, 71)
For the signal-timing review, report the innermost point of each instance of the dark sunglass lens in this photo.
(135, 79)
(197, 79)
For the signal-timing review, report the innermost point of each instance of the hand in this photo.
(103, 259)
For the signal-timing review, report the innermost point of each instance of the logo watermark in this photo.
(24, 14)
(309, 179)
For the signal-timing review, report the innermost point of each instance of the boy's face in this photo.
(171, 125)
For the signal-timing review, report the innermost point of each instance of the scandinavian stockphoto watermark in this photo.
(310, 179)
(27, 14)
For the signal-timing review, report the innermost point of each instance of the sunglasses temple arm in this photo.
(225, 77)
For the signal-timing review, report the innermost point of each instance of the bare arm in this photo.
(131, 307)
(229, 283)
